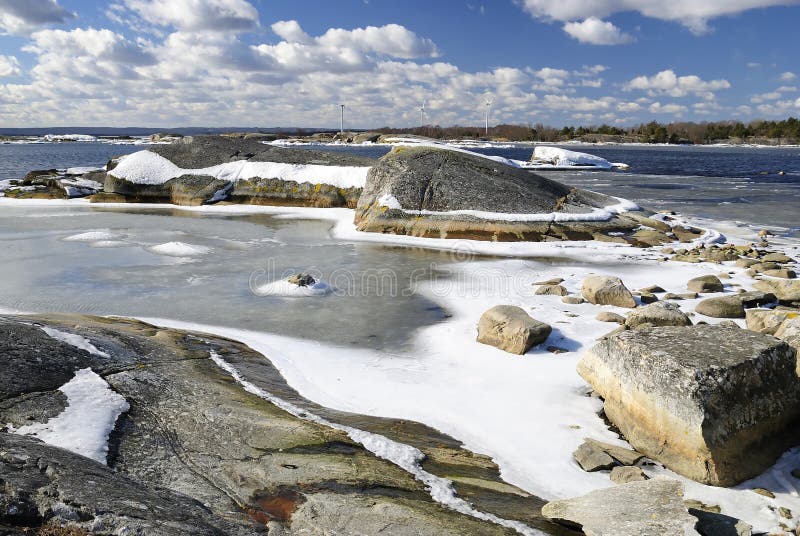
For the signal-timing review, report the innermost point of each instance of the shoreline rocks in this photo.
(607, 290)
(716, 405)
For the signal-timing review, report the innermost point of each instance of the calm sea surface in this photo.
(727, 183)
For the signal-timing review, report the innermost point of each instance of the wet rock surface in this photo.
(198, 454)
(715, 404)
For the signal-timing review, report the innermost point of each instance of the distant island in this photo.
(759, 132)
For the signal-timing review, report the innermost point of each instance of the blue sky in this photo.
(282, 63)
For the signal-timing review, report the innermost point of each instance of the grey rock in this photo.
(746, 263)
(733, 305)
(647, 297)
(572, 300)
(302, 280)
(705, 283)
(44, 483)
(652, 289)
(780, 258)
(657, 314)
(716, 524)
(607, 316)
(592, 458)
(198, 454)
(782, 273)
(436, 180)
(625, 474)
(551, 281)
(787, 290)
(206, 151)
(511, 329)
(650, 508)
(696, 398)
(607, 290)
(768, 320)
(623, 455)
(789, 331)
(551, 290)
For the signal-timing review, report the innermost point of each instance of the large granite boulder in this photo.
(789, 331)
(715, 404)
(648, 508)
(607, 290)
(442, 193)
(330, 189)
(511, 329)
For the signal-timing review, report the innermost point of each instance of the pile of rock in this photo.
(55, 184)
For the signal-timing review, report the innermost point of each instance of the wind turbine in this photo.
(422, 114)
(488, 104)
(341, 124)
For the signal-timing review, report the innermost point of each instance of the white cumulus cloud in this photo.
(672, 108)
(694, 14)
(668, 83)
(788, 76)
(21, 17)
(9, 66)
(197, 15)
(597, 32)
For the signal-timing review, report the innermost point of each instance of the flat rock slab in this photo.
(716, 405)
(650, 508)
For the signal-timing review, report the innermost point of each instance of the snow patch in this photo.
(145, 167)
(285, 289)
(179, 249)
(82, 170)
(85, 424)
(79, 342)
(92, 236)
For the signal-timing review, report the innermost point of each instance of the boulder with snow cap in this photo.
(206, 169)
(443, 193)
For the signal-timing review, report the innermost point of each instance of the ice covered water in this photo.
(205, 267)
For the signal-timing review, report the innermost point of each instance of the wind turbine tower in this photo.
(422, 114)
(341, 124)
(488, 104)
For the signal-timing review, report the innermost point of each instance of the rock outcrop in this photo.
(607, 290)
(441, 193)
(511, 329)
(786, 290)
(715, 404)
(203, 152)
(650, 508)
(56, 184)
(197, 453)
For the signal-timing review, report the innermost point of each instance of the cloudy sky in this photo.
(290, 62)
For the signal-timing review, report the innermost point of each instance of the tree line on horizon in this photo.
(785, 131)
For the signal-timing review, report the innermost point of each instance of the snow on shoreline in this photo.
(404, 456)
(597, 214)
(85, 424)
(528, 413)
(146, 167)
(79, 342)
